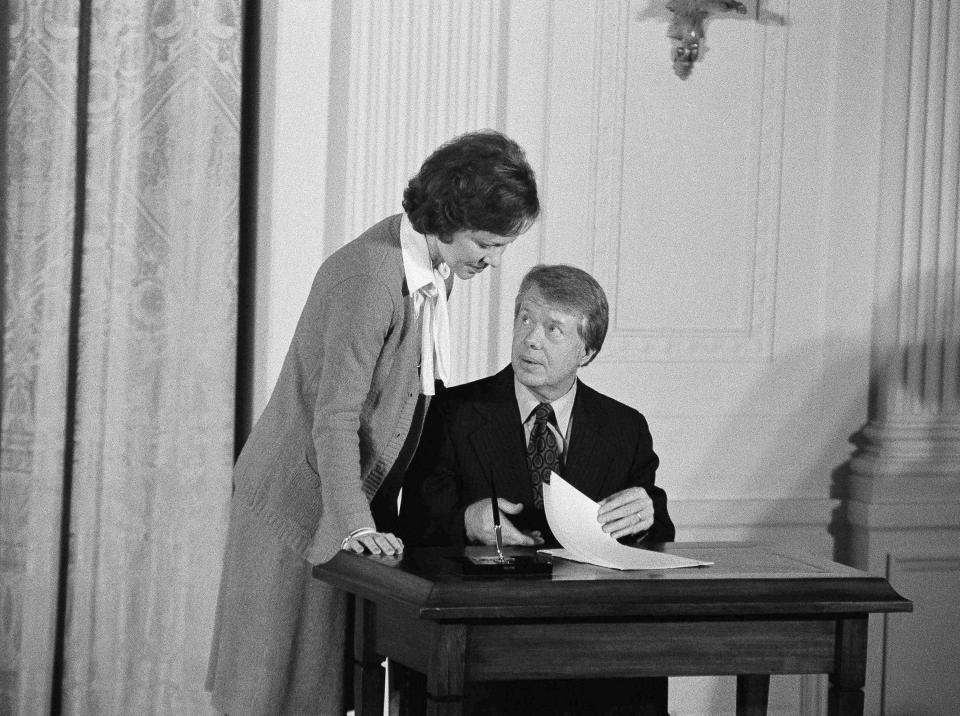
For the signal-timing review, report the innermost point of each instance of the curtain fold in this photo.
(153, 434)
(40, 207)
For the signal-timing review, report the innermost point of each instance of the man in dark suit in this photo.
(511, 429)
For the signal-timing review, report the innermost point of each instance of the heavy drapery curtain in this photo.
(122, 141)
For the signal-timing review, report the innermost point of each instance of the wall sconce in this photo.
(686, 28)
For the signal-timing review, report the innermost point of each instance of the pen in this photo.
(496, 520)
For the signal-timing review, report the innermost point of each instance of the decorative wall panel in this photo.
(916, 645)
(652, 195)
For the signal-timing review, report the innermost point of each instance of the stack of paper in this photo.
(573, 519)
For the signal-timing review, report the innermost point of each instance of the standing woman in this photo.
(322, 468)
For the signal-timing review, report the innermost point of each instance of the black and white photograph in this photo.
(480, 357)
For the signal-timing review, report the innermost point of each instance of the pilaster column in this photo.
(420, 74)
(902, 491)
(909, 452)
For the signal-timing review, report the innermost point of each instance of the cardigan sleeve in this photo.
(356, 318)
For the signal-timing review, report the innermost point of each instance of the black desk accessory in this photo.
(521, 565)
(501, 565)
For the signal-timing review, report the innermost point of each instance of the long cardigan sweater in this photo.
(342, 409)
(343, 404)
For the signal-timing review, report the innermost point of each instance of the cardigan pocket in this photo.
(302, 495)
(290, 501)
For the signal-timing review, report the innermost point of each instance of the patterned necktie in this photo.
(542, 453)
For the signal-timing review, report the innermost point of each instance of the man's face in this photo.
(547, 348)
(470, 252)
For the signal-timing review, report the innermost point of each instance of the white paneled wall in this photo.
(744, 223)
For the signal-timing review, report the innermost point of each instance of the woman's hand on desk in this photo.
(369, 540)
(478, 522)
(627, 512)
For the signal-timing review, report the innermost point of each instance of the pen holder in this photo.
(509, 566)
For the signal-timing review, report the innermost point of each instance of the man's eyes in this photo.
(553, 330)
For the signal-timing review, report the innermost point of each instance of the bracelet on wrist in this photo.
(356, 533)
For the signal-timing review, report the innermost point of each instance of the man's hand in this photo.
(627, 512)
(478, 521)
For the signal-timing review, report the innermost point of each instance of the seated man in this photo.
(513, 428)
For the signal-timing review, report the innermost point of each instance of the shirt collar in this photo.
(417, 267)
(562, 406)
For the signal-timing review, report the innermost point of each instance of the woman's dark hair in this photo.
(479, 181)
(574, 291)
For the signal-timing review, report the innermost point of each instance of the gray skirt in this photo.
(279, 634)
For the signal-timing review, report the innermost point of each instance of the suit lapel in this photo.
(500, 449)
(498, 439)
(590, 449)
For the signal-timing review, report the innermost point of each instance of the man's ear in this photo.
(587, 356)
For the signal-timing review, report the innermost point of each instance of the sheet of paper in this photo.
(573, 519)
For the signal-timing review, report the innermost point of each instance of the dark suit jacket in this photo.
(474, 435)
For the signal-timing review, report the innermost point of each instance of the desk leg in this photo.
(446, 670)
(368, 674)
(849, 669)
(752, 693)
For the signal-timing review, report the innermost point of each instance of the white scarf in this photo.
(435, 332)
(428, 288)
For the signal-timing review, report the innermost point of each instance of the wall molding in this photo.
(928, 563)
(800, 512)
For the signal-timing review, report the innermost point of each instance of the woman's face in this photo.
(470, 252)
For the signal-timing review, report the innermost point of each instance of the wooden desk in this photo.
(759, 610)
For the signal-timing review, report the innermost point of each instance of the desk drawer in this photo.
(686, 648)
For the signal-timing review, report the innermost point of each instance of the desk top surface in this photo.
(746, 579)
